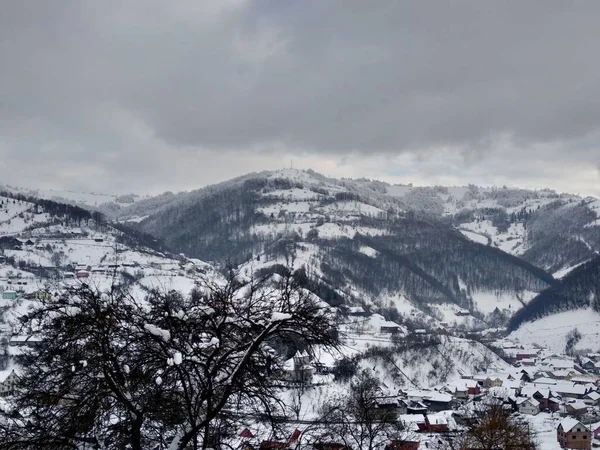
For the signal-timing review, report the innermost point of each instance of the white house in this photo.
(8, 381)
(528, 405)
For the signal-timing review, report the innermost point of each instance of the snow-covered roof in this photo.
(530, 400)
(568, 423)
(577, 405)
(430, 395)
(593, 395)
(530, 389)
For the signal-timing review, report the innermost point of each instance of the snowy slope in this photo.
(551, 331)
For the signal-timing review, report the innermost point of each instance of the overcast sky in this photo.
(145, 96)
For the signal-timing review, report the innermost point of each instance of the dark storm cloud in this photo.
(116, 88)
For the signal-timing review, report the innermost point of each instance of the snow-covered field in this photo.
(551, 331)
(486, 302)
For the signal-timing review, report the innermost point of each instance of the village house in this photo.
(576, 408)
(8, 381)
(543, 395)
(23, 341)
(528, 405)
(463, 388)
(523, 355)
(573, 434)
(82, 274)
(588, 364)
(358, 311)
(388, 407)
(298, 368)
(268, 445)
(434, 400)
(387, 326)
(563, 374)
(592, 398)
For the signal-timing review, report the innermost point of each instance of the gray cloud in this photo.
(114, 93)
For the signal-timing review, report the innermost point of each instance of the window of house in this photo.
(574, 437)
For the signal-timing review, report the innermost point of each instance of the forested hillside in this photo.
(580, 289)
(550, 230)
(562, 234)
(359, 243)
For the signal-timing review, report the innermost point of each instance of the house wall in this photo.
(575, 439)
(528, 408)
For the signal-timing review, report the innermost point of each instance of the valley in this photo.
(446, 296)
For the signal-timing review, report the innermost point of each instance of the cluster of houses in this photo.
(558, 384)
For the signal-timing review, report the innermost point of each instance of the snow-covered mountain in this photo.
(430, 255)
(108, 203)
(46, 247)
(550, 230)
(392, 248)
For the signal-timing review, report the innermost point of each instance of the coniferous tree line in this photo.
(559, 235)
(580, 289)
(71, 213)
(428, 262)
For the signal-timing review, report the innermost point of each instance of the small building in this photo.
(298, 369)
(358, 311)
(576, 407)
(528, 405)
(267, 445)
(526, 355)
(82, 274)
(8, 381)
(388, 407)
(573, 434)
(413, 407)
(23, 341)
(389, 327)
(592, 398)
(9, 295)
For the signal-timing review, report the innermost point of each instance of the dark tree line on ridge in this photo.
(580, 289)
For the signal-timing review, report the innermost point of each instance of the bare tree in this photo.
(357, 420)
(492, 428)
(113, 371)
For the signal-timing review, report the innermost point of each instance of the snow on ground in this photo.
(447, 313)
(167, 283)
(292, 207)
(433, 366)
(475, 237)
(369, 251)
(512, 241)
(136, 219)
(543, 427)
(399, 301)
(352, 208)
(67, 196)
(551, 331)
(487, 301)
(564, 272)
